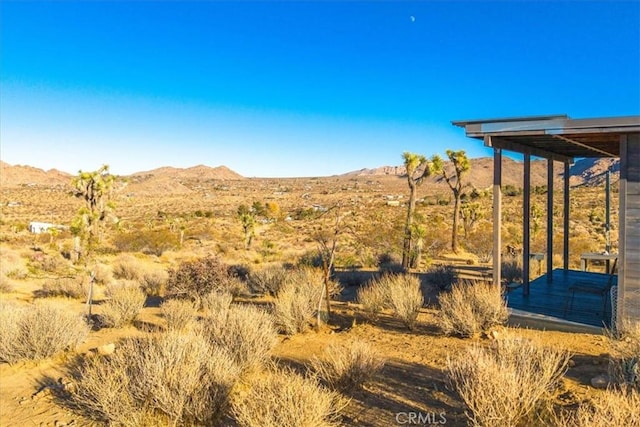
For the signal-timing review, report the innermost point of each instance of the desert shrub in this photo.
(405, 297)
(624, 362)
(125, 300)
(310, 259)
(179, 314)
(17, 272)
(613, 407)
(373, 299)
(216, 302)
(38, 331)
(246, 332)
(504, 384)
(128, 268)
(153, 282)
(48, 263)
(470, 308)
(441, 277)
(511, 270)
(348, 366)
(389, 263)
(68, 287)
(268, 280)
(173, 378)
(6, 285)
(399, 292)
(197, 278)
(103, 274)
(285, 399)
(297, 301)
(151, 242)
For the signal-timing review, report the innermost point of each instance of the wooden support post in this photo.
(497, 214)
(565, 245)
(526, 222)
(550, 220)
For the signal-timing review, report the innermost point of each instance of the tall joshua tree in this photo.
(418, 168)
(461, 165)
(95, 189)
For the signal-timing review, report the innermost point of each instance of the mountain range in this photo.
(171, 180)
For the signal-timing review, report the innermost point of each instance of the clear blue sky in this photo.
(297, 88)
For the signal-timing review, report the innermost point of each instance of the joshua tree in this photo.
(461, 165)
(94, 188)
(418, 168)
(247, 217)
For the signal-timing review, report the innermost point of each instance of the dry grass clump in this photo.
(216, 302)
(611, 408)
(6, 286)
(103, 275)
(624, 363)
(68, 287)
(268, 280)
(298, 299)
(197, 278)
(125, 300)
(38, 331)
(174, 378)
(348, 366)
(285, 399)
(128, 267)
(470, 308)
(399, 292)
(246, 332)
(179, 314)
(505, 383)
(442, 277)
(154, 282)
(373, 299)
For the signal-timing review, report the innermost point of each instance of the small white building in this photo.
(40, 227)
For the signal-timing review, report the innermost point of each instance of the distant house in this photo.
(393, 202)
(40, 227)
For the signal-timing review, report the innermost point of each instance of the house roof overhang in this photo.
(556, 137)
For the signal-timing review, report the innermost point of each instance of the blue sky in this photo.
(297, 88)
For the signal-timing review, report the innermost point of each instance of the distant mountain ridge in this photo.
(172, 180)
(584, 172)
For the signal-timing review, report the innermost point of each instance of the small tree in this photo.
(461, 165)
(95, 189)
(248, 220)
(418, 168)
(326, 236)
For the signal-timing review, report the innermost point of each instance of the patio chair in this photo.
(586, 287)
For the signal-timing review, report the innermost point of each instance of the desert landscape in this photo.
(212, 304)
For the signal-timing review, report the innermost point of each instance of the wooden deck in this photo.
(554, 298)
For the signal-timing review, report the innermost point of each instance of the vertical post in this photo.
(565, 243)
(526, 222)
(550, 220)
(497, 215)
(607, 202)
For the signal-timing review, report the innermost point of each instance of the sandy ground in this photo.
(412, 381)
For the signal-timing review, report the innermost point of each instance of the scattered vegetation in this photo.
(38, 331)
(173, 378)
(246, 332)
(68, 287)
(399, 292)
(505, 383)
(471, 308)
(348, 366)
(300, 402)
(179, 314)
(124, 301)
(197, 278)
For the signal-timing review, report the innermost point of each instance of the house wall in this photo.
(629, 262)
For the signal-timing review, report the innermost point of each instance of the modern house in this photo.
(558, 138)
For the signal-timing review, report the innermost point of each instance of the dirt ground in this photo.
(412, 381)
